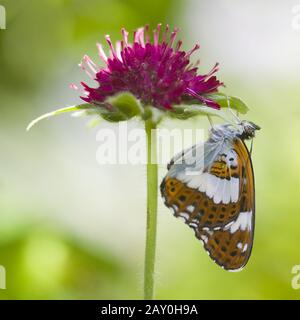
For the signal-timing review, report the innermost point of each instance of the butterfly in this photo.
(211, 186)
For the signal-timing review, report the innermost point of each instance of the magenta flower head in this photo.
(151, 78)
(157, 72)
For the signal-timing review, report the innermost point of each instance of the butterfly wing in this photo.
(218, 202)
(230, 246)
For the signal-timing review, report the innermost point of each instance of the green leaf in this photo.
(57, 112)
(125, 104)
(184, 112)
(223, 100)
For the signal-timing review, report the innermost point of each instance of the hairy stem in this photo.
(152, 179)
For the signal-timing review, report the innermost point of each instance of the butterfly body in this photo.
(211, 186)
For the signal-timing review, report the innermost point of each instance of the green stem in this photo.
(152, 179)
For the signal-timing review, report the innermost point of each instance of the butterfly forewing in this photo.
(218, 204)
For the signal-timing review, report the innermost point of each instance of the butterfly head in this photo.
(248, 129)
(244, 130)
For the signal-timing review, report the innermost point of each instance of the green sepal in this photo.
(57, 112)
(224, 101)
(125, 104)
(184, 112)
(120, 107)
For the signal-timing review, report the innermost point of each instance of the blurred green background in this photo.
(70, 228)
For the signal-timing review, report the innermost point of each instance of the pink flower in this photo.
(157, 72)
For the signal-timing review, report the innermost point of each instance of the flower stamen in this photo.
(101, 52)
(158, 73)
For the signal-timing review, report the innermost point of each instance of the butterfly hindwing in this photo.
(229, 249)
(230, 246)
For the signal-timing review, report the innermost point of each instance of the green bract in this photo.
(125, 106)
